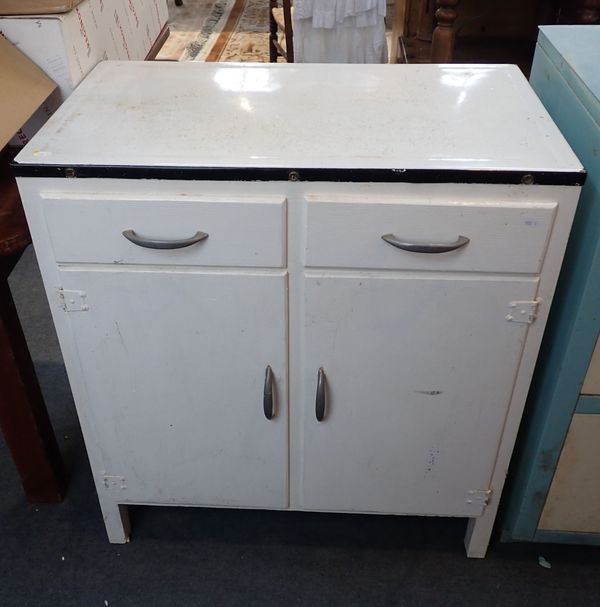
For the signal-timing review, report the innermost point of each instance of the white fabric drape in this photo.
(340, 31)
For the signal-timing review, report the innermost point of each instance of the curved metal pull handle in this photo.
(320, 400)
(268, 406)
(426, 247)
(158, 243)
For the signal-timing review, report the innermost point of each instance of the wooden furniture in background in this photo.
(442, 41)
(158, 43)
(23, 417)
(281, 31)
(490, 32)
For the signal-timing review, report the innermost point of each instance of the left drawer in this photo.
(89, 228)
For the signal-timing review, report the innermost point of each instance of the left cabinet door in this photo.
(174, 362)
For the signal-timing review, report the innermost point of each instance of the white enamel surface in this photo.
(303, 116)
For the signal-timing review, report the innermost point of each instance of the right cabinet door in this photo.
(418, 370)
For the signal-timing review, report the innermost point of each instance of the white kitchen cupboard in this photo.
(302, 287)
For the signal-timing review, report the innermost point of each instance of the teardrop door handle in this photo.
(320, 399)
(268, 402)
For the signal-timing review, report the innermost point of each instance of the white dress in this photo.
(340, 31)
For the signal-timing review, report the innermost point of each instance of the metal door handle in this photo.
(320, 400)
(426, 247)
(268, 394)
(159, 243)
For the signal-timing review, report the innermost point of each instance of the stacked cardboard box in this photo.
(68, 45)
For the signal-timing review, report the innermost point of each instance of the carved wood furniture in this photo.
(448, 11)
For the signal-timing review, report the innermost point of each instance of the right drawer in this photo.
(506, 237)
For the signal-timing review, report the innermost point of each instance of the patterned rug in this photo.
(218, 30)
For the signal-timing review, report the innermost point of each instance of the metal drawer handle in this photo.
(268, 406)
(426, 247)
(320, 400)
(158, 243)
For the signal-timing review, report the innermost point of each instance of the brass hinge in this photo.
(73, 301)
(523, 312)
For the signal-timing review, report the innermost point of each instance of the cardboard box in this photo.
(36, 7)
(24, 88)
(67, 46)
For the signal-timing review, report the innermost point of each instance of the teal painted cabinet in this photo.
(555, 474)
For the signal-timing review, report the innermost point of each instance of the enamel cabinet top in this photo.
(392, 118)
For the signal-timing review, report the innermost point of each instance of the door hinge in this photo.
(73, 301)
(523, 312)
(114, 482)
(479, 497)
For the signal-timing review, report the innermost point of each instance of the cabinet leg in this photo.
(479, 532)
(116, 520)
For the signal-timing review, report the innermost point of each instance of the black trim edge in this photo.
(310, 174)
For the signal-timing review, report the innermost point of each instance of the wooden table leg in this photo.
(23, 417)
(442, 42)
(398, 22)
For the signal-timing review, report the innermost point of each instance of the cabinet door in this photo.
(419, 373)
(174, 368)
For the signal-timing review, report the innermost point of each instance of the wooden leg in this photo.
(158, 44)
(272, 33)
(442, 42)
(426, 21)
(477, 538)
(289, 32)
(116, 521)
(398, 21)
(23, 417)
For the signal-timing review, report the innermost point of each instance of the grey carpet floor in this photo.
(58, 555)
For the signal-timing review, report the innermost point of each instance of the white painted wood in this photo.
(479, 529)
(573, 502)
(116, 521)
(346, 232)
(301, 115)
(591, 384)
(419, 372)
(566, 198)
(174, 366)
(243, 231)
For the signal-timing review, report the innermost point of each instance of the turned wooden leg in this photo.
(23, 417)
(442, 42)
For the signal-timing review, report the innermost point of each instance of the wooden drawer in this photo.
(86, 228)
(503, 237)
